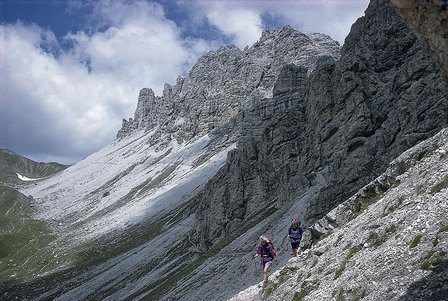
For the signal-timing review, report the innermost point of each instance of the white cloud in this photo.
(82, 93)
(242, 24)
(333, 17)
(243, 19)
(69, 102)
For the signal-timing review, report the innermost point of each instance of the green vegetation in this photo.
(268, 290)
(432, 259)
(415, 241)
(372, 200)
(402, 167)
(377, 240)
(24, 250)
(340, 296)
(326, 234)
(10, 163)
(272, 286)
(299, 295)
(443, 229)
(436, 239)
(443, 156)
(390, 208)
(351, 251)
(420, 189)
(427, 153)
(306, 287)
(357, 294)
(439, 186)
(364, 203)
(338, 272)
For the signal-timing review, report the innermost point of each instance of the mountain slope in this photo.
(12, 164)
(248, 139)
(387, 242)
(122, 220)
(108, 210)
(346, 122)
(310, 147)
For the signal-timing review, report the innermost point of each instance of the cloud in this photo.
(244, 20)
(332, 17)
(243, 25)
(64, 97)
(69, 101)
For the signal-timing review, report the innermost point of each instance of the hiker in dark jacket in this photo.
(295, 232)
(266, 251)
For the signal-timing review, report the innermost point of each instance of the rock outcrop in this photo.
(344, 125)
(389, 241)
(429, 20)
(223, 82)
(288, 127)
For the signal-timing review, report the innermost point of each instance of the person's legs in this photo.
(266, 272)
(294, 252)
(295, 248)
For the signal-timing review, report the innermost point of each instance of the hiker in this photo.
(295, 232)
(266, 251)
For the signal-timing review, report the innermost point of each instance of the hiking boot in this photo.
(263, 284)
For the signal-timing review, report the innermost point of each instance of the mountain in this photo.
(389, 241)
(428, 20)
(356, 115)
(12, 165)
(136, 196)
(292, 126)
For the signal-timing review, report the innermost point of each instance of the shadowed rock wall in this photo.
(346, 122)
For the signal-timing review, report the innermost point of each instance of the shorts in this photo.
(266, 261)
(295, 244)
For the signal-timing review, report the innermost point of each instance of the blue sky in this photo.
(72, 70)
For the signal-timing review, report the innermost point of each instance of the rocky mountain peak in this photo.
(224, 81)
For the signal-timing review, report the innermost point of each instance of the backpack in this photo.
(268, 247)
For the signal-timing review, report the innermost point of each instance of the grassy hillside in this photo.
(22, 238)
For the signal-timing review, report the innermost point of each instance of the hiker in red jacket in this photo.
(266, 251)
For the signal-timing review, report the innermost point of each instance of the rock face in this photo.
(223, 82)
(429, 19)
(389, 241)
(337, 131)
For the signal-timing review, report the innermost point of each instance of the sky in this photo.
(71, 71)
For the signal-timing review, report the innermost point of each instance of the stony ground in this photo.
(387, 245)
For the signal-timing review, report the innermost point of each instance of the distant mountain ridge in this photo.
(12, 164)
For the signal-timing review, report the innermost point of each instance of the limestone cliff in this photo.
(428, 19)
(344, 124)
(223, 82)
(389, 241)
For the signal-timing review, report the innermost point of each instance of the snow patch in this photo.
(26, 179)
